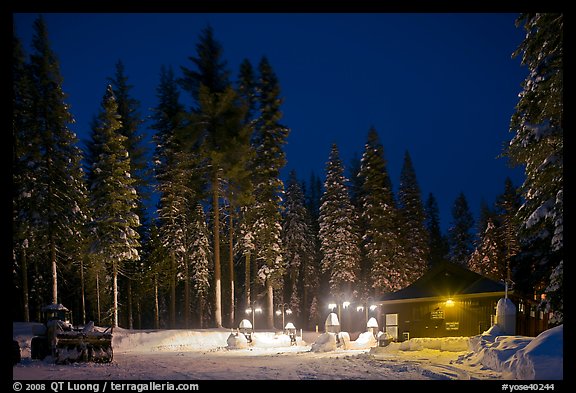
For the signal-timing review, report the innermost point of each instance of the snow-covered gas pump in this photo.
(290, 329)
(246, 329)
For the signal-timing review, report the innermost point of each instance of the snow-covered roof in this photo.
(447, 279)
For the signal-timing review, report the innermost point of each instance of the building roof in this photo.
(447, 280)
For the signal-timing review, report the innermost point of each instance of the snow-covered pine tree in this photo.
(217, 131)
(379, 214)
(298, 241)
(128, 109)
(25, 158)
(247, 93)
(489, 258)
(113, 197)
(460, 238)
(269, 138)
(507, 204)
(438, 244)
(412, 218)
(538, 145)
(178, 178)
(200, 258)
(58, 194)
(338, 230)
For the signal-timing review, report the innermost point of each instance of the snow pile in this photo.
(449, 344)
(237, 341)
(364, 341)
(324, 343)
(542, 358)
(169, 340)
(270, 340)
(518, 357)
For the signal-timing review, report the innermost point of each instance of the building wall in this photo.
(465, 317)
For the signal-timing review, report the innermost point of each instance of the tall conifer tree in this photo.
(113, 197)
(538, 145)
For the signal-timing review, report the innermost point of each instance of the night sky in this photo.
(441, 86)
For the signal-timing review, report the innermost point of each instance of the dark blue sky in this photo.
(441, 86)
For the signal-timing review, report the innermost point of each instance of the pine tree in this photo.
(128, 108)
(25, 157)
(59, 192)
(459, 237)
(507, 204)
(338, 229)
(538, 145)
(437, 242)
(270, 158)
(488, 258)
(412, 218)
(178, 178)
(381, 238)
(113, 197)
(216, 130)
(298, 241)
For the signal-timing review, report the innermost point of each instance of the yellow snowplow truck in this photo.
(67, 344)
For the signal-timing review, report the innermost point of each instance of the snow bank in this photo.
(364, 341)
(324, 343)
(519, 357)
(169, 340)
(542, 358)
(270, 340)
(451, 344)
(237, 341)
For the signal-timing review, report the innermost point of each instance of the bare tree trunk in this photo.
(186, 293)
(217, 273)
(54, 271)
(26, 299)
(231, 264)
(98, 297)
(270, 305)
(82, 290)
(130, 315)
(173, 290)
(156, 305)
(247, 279)
(115, 286)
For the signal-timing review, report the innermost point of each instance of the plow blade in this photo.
(83, 347)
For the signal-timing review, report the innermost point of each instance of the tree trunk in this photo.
(217, 274)
(115, 289)
(98, 297)
(247, 280)
(130, 315)
(186, 293)
(156, 305)
(269, 305)
(26, 299)
(172, 290)
(231, 265)
(54, 271)
(82, 296)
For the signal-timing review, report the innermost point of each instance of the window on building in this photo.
(392, 325)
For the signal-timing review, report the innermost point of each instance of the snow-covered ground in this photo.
(212, 354)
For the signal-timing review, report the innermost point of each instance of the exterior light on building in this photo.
(449, 303)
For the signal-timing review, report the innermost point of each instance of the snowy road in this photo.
(295, 364)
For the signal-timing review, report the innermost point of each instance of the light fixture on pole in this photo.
(253, 310)
(283, 311)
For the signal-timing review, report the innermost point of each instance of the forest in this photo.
(226, 233)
